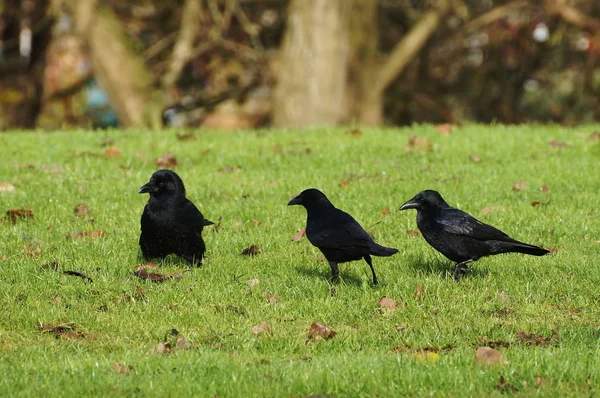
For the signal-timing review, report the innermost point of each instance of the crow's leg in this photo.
(195, 259)
(461, 269)
(370, 262)
(335, 272)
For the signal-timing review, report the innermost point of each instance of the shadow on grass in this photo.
(324, 273)
(441, 267)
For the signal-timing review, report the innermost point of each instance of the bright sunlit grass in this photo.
(543, 314)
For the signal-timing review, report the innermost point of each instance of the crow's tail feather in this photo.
(525, 248)
(382, 251)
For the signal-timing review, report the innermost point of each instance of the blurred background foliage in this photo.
(253, 63)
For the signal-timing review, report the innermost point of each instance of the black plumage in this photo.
(339, 236)
(170, 223)
(459, 236)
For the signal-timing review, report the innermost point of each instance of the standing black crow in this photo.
(171, 224)
(459, 236)
(339, 237)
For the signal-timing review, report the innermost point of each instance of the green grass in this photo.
(123, 318)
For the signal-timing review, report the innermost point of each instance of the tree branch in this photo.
(184, 46)
(409, 46)
(572, 15)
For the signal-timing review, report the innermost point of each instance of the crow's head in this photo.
(425, 199)
(309, 198)
(164, 183)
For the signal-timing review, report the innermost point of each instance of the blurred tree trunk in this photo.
(330, 70)
(118, 68)
(22, 70)
(311, 87)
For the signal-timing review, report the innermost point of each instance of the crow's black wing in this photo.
(340, 230)
(458, 222)
(189, 215)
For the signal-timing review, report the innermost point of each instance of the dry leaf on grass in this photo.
(489, 356)
(86, 234)
(504, 386)
(66, 330)
(166, 161)
(112, 152)
(533, 339)
(299, 235)
(544, 188)
(387, 304)
(445, 128)
(13, 215)
(251, 250)
(419, 144)
(318, 331)
(261, 329)
(185, 136)
(121, 368)
(355, 132)
(475, 158)
(519, 186)
(172, 341)
(272, 298)
(143, 272)
(81, 210)
(6, 187)
(252, 283)
(557, 144)
(413, 233)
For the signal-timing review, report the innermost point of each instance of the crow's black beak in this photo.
(411, 204)
(295, 201)
(206, 223)
(146, 188)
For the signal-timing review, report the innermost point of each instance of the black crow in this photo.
(171, 224)
(459, 236)
(339, 237)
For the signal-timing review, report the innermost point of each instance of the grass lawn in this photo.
(540, 184)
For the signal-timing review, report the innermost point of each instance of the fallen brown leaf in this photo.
(143, 272)
(413, 233)
(419, 291)
(81, 210)
(355, 132)
(185, 136)
(385, 211)
(272, 298)
(387, 304)
(252, 283)
(489, 356)
(539, 380)
(519, 186)
(262, 328)
(444, 128)
(504, 386)
(318, 331)
(166, 161)
(251, 250)
(554, 143)
(533, 339)
(552, 250)
(229, 169)
(487, 210)
(6, 187)
(66, 330)
(87, 234)
(475, 158)
(544, 188)
(419, 144)
(344, 183)
(299, 235)
(172, 341)
(13, 215)
(33, 249)
(121, 368)
(112, 152)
